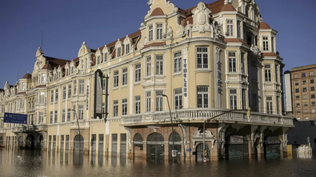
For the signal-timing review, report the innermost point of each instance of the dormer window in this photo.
(105, 57)
(238, 29)
(127, 48)
(151, 33)
(72, 70)
(67, 72)
(265, 44)
(230, 28)
(272, 44)
(98, 60)
(119, 50)
(159, 31)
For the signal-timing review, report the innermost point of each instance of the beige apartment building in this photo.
(210, 63)
(303, 91)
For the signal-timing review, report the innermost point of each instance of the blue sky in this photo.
(67, 23)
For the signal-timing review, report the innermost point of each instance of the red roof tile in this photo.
(155, 44)
(235, 40)
(27, 76)
(157, 11)
(228, 7)
(264, 25)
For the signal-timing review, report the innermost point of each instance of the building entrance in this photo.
(155, 148)
(175, 144)
(78, 143)
(272, 147)
(200, 153)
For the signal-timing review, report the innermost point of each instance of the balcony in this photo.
(200, 115)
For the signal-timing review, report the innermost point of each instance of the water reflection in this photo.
(64, 163)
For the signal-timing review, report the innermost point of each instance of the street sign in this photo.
(15, 118)
(174, 153)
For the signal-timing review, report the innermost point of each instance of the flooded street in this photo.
(34, 163)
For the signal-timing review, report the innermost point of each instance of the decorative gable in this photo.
(84, 49)
(201, 18)
(161, 7)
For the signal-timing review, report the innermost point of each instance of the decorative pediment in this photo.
(118, 43)
(198, 136)
(201, 18)
(84, 49)
(165, 5)
(127, 40)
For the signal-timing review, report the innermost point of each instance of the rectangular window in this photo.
(124, 106)
(296, 83)
(277, 104)
(230, 28)
(148, 101)
(233, 98)
(269, 105)
(242, 62)
(63, 115)
(137, 104)
(297, 90)
(80, 112)
(75, 87)
(159, 31)
(298, 112)
(148, 66)
(178, 98)
(137, 72)
(81, 86)
(304, 82)
(243, 96)
(272, 44)
(312, 81)
(127, 48)
(265, 44)
(116, 79)
(238, 29)
(312, 88)
(276, 74)
(305, 104)
(119, 50)
(313, 103)
(55, 119)
(41, 117)
(232, 61)
(98, 60)
(298, 105)
(69, 91)
(56, 95)
(52, 96)
(311, 73)
(304, 89)
(42, 97)
(159, 65)
(202, 96)
(267, 71)
(64, 93)
(150, 34)
(312, 96)
(177, 62)
(51, 117)
(159, 101)
(305, 97)
(115, 108)
(124, 76)
(202, 57)
(105, 57)
(68, 115)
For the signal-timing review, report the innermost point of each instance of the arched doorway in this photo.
(236, 147)
(176, 138)
(78, 143)
(155, 148)
(272, 147)
(30, 142)
(138, 145)
(200, 153)
(20, 141)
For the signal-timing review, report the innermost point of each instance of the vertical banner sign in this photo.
(87, 97)
(98, 94)
(185, 70)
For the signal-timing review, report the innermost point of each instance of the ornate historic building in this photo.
(209, 62)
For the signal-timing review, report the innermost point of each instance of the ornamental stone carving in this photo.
(255, 50)
(201, 18)
(169, 34)
(217, 28)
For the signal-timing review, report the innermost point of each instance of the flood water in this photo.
(34, 163)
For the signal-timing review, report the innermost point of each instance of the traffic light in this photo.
(206, 152)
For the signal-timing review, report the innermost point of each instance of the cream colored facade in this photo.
(207, 60)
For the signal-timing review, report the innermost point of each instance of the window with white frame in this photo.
(98, 60)
(105, 57)
(150, 32)
(124, 106)
(148, 101)
(238, 29)
(72, 70)
(232, 61)
(159, 65)
(68, 115)
(137, 72)
(148, 66)
(159, 101)
(137, 104)
(51, 117)
(230, 29)
(64, 92)
(55, 118)
(311, 73)
(119, 50)
(124, 76)
(75, 87)
(233, 98)
(272, 44)
(242, 62)
(202, 57)
(56, 95)
(178, 98)
(41, 117)
(265, 43)
(69, 91)
(202, 96)
(52, 96)
(42, 97)
(115, 108)
(116, 79)
(267, 73)
(269, 105)
(81, 86)
(63, 116)
(80, 112)
(127, 48)
(177, 62)
(159, 31)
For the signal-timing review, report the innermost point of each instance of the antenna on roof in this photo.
(42, 41)
(17, 76)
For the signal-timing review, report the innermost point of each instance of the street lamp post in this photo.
(171, 126)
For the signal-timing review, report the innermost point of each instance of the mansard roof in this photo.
(27, 76)
(54, 62)
(264, 25)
